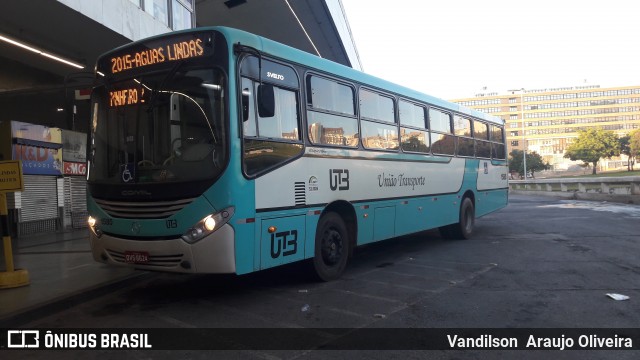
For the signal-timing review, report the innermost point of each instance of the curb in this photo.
(21, 317)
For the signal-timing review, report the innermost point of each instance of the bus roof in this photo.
(283, 51)
(291, 54)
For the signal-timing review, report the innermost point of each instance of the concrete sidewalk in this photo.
(61, 272)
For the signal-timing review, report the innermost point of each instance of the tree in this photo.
(593, 144)
(625, 149)
(534, 163)
(630, 146)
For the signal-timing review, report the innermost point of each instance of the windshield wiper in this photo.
(156, 92)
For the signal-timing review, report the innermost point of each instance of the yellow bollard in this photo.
(11, 278)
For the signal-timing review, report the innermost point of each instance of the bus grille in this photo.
(154, 260)
(143, 210)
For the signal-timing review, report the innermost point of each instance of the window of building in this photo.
(176, 14)
(158, 9)
(182, 12)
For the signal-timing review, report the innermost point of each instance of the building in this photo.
(48, 50)
(553, 117)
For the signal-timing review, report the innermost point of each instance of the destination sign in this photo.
(128, 96)
(164, 50)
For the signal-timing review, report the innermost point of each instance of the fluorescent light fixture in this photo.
(38, 51)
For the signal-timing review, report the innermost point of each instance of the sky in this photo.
(454, 49)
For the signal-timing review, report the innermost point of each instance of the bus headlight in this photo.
(208, 225)
(93, 225)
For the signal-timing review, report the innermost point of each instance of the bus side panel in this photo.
(409, 216)
(492, 186)
(282, 240)
(470, 177)
(364, 214)
(232, 189)
(412, 216)
(312, 218)
(384, 223)
(442, 210)
(491, 200)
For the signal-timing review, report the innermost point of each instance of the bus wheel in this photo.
(331, 248)
(464, 228)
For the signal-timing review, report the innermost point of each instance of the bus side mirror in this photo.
(266, 101)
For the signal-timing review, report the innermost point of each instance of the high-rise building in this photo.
(553, 117)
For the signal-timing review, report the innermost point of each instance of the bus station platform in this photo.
(61, 272)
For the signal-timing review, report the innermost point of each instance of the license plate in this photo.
(136, 257)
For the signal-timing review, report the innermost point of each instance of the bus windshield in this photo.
(158, 128)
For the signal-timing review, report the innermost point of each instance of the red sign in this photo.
(73, 168)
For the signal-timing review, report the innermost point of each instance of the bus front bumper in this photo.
(214, 254)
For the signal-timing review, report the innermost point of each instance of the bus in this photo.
(214, 150)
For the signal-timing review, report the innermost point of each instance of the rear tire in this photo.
(332, 248)
(463, 229)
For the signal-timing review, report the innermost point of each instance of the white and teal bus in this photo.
(214, 150)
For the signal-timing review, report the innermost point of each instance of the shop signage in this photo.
(11, 176)
(38, 147)
(38, 160)
(74, 168)
(21, 130)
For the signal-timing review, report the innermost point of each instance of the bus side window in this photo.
(497, 142)
(272, 139)
(462, 128)
(248, 108)
(413, 134)
(377, 121)
(331, 114)
(481, 134)
(283, 124)
(442, 140)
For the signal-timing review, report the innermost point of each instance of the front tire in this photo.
(332, 247)
(463, 229)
